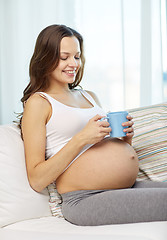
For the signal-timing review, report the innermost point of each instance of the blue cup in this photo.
(115, 120)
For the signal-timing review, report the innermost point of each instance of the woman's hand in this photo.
(129, 130)
(94, 131)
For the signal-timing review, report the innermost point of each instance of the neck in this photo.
(58, 89)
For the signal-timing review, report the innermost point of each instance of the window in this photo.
(164, 45)
(125, 48)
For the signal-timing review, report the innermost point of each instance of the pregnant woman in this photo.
(66, 143)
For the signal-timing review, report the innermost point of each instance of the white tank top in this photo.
(67, 121)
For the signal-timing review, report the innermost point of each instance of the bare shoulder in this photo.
(37, 106)
(94, 96)
(36, 100)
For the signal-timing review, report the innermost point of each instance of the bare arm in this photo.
(40, 172)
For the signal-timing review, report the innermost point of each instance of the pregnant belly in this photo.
(110, 164)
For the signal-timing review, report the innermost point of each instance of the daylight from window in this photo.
(164, 44)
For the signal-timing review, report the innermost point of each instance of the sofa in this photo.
(26, 214)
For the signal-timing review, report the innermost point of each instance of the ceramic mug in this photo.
(115, 120)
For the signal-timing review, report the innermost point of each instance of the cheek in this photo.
(79, 65)
(54, 74)
(59, 69)
(61, 66)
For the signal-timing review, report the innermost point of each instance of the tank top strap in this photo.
(46, 96)
(88, 96)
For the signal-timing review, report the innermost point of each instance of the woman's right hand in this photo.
(94, 131)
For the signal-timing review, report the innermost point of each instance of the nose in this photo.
(73, 62)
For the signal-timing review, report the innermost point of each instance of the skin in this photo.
(110, 163)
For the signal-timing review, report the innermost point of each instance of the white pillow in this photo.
(18, 201)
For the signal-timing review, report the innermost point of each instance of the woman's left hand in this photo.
(129, 130)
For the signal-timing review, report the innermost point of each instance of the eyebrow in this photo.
(69, 53)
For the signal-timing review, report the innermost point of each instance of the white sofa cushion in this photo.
(18, 201)
(46, 225)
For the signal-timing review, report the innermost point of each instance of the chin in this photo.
(71, 80)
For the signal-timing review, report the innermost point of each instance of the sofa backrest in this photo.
(150, 141)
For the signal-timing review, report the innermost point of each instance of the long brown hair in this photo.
(46, 57)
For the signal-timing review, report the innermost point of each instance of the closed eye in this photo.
(65, 58)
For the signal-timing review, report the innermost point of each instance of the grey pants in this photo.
(146, 201)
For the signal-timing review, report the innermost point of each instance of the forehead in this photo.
(69, 44)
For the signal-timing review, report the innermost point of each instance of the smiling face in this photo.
(69, 62)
